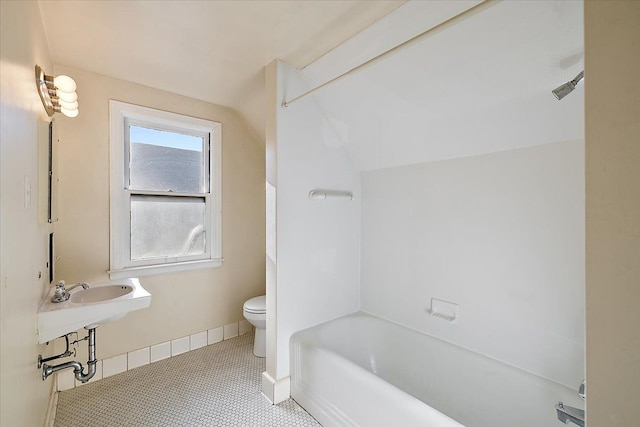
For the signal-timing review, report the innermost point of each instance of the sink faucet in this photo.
(62, 294)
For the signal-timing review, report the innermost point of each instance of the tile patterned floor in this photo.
(217, 385)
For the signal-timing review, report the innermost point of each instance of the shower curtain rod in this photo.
(433, 30)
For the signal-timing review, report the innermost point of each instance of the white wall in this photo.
(316, 274)
(23, 249)
(182, 303)
(443, 96)
(502, 235)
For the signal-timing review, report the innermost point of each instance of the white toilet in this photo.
(255, 311)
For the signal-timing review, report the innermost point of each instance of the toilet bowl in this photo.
(255, 311)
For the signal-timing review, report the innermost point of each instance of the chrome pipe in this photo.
(92, 344)
(66, 353)
(78, 369)
(91, 371)
(50, 369)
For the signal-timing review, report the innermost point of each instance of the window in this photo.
(165, 191)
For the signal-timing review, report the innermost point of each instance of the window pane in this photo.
(166, 226)
(166, 161)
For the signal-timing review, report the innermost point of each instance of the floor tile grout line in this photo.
(216, 385)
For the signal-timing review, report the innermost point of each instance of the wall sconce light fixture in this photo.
(58, 94)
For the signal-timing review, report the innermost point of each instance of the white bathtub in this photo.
(360, 370)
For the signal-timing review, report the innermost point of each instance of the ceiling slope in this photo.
(480, 86)
(209, 50)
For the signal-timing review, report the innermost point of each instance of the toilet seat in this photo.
(257, 305)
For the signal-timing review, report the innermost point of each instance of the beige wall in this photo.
(612, 67)
(23, 251)
(182, 303)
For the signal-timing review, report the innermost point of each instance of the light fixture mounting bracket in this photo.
(43, 90)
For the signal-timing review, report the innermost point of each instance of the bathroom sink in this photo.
(102, 302)
(102, 293)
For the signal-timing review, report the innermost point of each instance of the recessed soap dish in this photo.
(444, 310)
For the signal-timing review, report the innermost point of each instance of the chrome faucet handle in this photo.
(60, 294)
(582, 390)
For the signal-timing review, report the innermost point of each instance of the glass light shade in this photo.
(65, 83)
(68, 105)
(69, 113)
(67, 96)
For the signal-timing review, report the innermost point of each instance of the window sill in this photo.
(148, 270)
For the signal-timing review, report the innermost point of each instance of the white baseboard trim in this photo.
(65, 380)
(275, 391)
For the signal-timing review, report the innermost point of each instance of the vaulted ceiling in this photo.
(209, 50)
(482, 85)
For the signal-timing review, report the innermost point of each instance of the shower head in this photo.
(565, 89)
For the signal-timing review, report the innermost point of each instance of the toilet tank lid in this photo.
(257, 304)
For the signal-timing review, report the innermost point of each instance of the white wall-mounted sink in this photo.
(99, 294)
(102, 302)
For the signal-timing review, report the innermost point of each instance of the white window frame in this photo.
(121, 265)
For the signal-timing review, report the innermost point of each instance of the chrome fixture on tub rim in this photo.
(568, 414)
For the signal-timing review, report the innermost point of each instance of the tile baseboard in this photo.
(64, 380)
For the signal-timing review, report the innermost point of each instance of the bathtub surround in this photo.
(425, 104)
(499, 235)
(183, 302)
(134, 359)
(471, 185)
(502, 236)
(312, 261)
